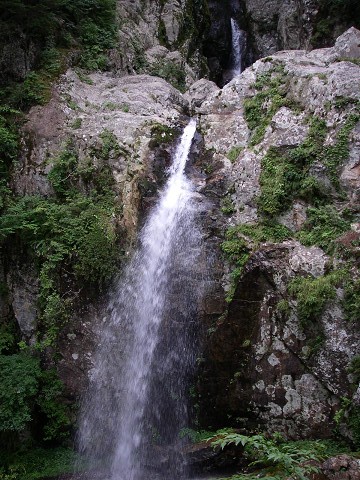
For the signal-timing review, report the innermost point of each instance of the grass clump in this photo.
(334, 155)
(260, 233)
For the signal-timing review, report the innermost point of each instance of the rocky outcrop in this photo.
(264, 365)
(295, 24)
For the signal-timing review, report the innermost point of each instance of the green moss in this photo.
(259, 109)
(234, 152)
(351, 302)
(227, 206)
(238, 253)
(314, 294)
(285, 172)
(322, 227)
(260, 233)
(171, 72)
(334, 155)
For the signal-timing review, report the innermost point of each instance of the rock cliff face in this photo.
(274, 358)
(278, 159)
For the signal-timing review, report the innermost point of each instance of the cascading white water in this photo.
(136, 401)
(238, 41)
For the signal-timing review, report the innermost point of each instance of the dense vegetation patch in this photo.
(71, 238)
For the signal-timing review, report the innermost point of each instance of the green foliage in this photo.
(271, 232)
(276, 183)
(322, 227)
(25, 386)
(283, 307)
(19, 375)
(354, 369)
(284, 174)
(234, 152)
(110, 147)
(334, 155)
(76, 123)
(288, 459)
(260, 108)
(161, 134)
(227, 205)
(351, 302)
(332, 13)
(354, 424)
(171, 72)
(7, 338)
(73, 233)
(37, 464)
(313, 294)
(9, 148)
(63, 173)
(57, 422)
(236, 250)
(199, 436)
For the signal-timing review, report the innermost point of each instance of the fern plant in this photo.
(289, 459)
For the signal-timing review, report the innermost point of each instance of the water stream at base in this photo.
(136, 403)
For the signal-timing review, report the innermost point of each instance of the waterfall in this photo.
(238, 44)
(136, 402)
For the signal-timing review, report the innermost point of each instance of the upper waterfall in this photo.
(238, 38)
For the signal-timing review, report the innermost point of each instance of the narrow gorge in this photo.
(179, 272)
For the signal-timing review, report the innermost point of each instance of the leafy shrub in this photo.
(237, 251)
(161, 134)
(24, 387)
(19, 376)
